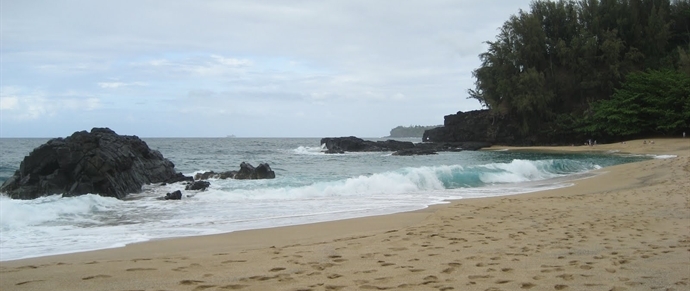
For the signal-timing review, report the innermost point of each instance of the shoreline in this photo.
(562, 238)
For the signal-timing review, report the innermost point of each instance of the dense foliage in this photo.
(591, 67)
(649, 102)
(410, 131)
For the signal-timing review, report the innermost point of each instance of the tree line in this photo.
(609, 68)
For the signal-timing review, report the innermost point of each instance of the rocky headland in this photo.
(493, 128)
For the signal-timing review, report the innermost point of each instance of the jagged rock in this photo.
(350, 143)
(395, 145)
(198, 185)
(247, 171)
(354, 144)
(414, 152)
(177, 195)
(263, 171)
(98, 162)
(214, 175)
(205, 175)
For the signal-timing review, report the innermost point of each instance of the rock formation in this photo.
(414, 152)
(198, 185)
(247, 171)
(485, 126)
(176, 195)
(402, 148)
(355, 144)
(98, 162)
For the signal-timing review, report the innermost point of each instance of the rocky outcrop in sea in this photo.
(98, 162)
(335, 145)
(246, 172)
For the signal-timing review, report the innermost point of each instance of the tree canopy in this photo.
(565, 65)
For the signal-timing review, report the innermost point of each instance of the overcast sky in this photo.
(248, 68)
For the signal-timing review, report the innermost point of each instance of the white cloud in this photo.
(115, 85)
(37, 105)
(406, 62)
(232, 62)
(212, 65)
(8, 102)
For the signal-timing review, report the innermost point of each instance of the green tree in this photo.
(548, 65)
(649, 103)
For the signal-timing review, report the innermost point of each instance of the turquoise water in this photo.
(310, 186)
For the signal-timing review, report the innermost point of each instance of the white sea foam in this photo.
(664, 156)
(307, 150)
(310, 187)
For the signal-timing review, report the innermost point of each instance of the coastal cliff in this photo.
(484, 126)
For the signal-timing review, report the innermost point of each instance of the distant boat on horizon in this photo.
(230, 136)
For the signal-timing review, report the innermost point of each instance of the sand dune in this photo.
(625, 229)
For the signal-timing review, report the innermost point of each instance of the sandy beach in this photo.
(627, 228)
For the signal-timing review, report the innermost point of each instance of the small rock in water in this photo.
(177, 195)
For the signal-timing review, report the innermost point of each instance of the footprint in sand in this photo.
(232, 287)
(527, 285)
(27, 282)
(141, 259)
(233, 261)
(96, 277)
(190, 282)
(141, 269)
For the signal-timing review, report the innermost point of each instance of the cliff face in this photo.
(479, 126)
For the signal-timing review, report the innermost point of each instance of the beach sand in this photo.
(625, 229)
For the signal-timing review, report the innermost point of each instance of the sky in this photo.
(212, 68)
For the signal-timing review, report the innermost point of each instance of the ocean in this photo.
(309, 187)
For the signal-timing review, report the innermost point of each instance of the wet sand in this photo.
(627, 228)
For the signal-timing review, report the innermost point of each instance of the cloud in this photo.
(115, 85)
(8, 102)
(231, 62)
(193, 65)
(18, 105)
(388, 61)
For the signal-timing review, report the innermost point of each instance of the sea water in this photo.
(310, 186)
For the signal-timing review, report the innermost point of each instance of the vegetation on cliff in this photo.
(410, 131)
(607, 68)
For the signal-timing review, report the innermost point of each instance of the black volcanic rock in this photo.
(487, 127)
(198, 185)
(177, 195)
(354, 144)
(414, 152)
(214, 175)
(246, 172)
(98, 162)
(263, 171)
